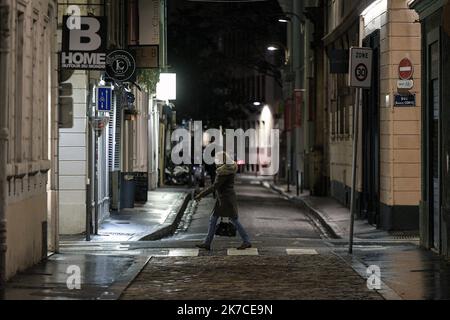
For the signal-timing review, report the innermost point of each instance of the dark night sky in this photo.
(193, 31)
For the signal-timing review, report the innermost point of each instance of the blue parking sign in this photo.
(104, 95)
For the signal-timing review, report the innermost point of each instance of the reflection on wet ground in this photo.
(412, 272)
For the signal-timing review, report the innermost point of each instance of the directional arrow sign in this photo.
(104, 95)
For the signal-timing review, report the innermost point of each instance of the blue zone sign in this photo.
(104, 97)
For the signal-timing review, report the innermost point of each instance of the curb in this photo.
(116, 290)
(386, 292)
(331, 231)
(169, 227)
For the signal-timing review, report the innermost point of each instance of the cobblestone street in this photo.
(247, 278)
(290, 259)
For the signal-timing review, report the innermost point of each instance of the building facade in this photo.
(435, 200)
(388, 170)
(94, 163)
(28, 173)
(77, 138)
(294, 137)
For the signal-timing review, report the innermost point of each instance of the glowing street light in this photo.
(279, 46)
(166, 88)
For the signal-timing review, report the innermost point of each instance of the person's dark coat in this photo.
(226, 203)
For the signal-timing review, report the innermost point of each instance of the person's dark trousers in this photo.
(212, 229)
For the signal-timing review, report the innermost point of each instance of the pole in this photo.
(96, 184)
(89, 184)
(88, 212)
(297, 184)
(355, 157)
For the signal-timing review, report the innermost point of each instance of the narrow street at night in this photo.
(224, 158)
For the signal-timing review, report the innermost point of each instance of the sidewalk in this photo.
(106, 265)
(156, 219)
(407, 270)
(335, 218)
(103, 276)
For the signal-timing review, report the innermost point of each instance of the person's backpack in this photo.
(225, 229)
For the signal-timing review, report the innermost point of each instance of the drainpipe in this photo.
(4, 52)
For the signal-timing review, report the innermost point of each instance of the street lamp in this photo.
(278, 46)
(287, 19)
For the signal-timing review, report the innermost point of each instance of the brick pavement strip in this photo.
(323, 277)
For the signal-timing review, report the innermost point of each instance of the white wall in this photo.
(73, 162)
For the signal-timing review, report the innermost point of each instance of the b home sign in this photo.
(84, 46)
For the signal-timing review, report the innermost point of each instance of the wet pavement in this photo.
(291, 258)
(144, 219)
(337, 217)
(309, 277)
(413, 273)
(407, 271)
(103, 277)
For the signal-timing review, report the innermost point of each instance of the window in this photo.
(333, 123)
(347, 120)
(17, 107)
(46, 128)
(33, 123)
(333, 106)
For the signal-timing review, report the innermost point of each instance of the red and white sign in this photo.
(405, 69)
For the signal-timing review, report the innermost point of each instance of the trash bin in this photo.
(141, 183)
(127, 190)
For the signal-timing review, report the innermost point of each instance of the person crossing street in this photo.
(226, 203)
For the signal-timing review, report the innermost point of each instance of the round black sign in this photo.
(120, 65)
(361, 72)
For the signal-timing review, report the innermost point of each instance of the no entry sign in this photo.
(360, 73)
(405, 69)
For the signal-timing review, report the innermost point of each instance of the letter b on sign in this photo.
(87, 38)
